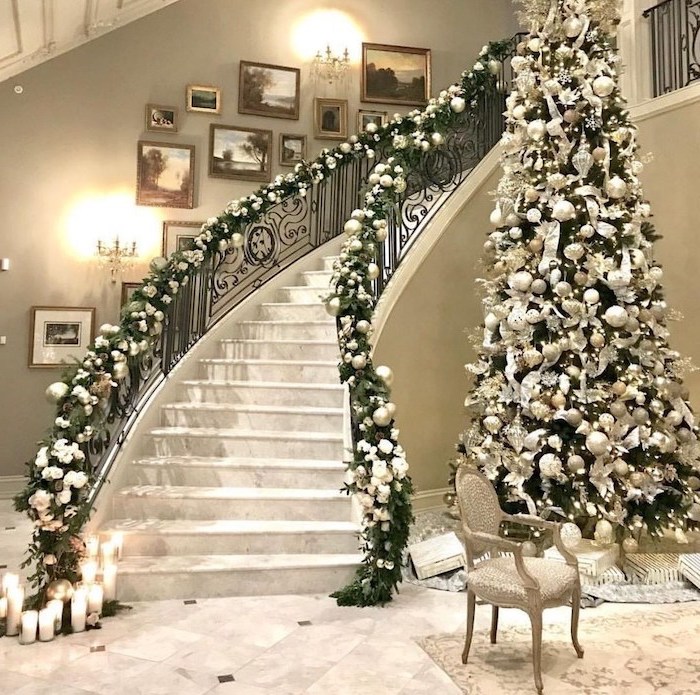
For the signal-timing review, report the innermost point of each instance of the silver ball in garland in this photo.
(120, 371)
(597, 443)
(56, 391)
(570, 535)
(385, 374)
(359, 362)
(59, 589)
(333, 306)
(362, 326)
(616, 187)
(352, 226)
(603, 86)
(373, 271)
(458, 104)
(529, 549)
(381, 416)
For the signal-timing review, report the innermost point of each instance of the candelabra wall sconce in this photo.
(329, 67)
(116, 257)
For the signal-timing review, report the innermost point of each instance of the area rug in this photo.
(652, 651)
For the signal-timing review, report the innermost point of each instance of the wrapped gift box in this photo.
(612, 575)
(689, 567)
(652, 568)
(437, 555)
(593, 560)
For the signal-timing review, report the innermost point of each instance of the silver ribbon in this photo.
(551, 245)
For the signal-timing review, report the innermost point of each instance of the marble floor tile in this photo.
(153, 642)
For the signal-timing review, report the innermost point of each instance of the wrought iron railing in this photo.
(675, 44)
(285, 233)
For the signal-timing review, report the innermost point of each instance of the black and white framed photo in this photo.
(178, 236)
(330, 118)
(59, 334)
(292, 149)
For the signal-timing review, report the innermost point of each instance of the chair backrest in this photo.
(478, 506)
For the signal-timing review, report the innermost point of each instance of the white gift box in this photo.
(652, 568)
(689, 567)
(593, 560)
(437, 555)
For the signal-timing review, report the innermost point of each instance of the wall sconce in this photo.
(330, 67)
(116, 257)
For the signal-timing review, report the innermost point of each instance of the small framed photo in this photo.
(395, 74)
(203, 98)
(165, 175)
(268, 90)
(331, 118)
(178, 236)
(127, 290)
(292, 149)
(161, 118)
(239, 153)
(364, 118)
(59, 334)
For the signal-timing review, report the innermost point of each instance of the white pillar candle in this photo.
(9, 580)
(108, 553)
(109, 582)
(56, 605)
(29, 623)
(78, 607)
(15, 601)
(95, 598)
(3, 606)
(47, 624)
(92, 545)
(88, 571)
(118, 543)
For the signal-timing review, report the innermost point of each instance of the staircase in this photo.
(240, 493)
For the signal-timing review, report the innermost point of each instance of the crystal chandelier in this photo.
(330, 67)
(116, 257)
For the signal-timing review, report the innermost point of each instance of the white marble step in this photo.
(199, 502)
(202, 576)
(328, 262)
(269, 370)
(302, 294)
(280, 349)
(233, 537)
(210, 441)
(253, 417)
(288, 330)
(238, 472)
(263, 393)
(317, 278)
(287, 311)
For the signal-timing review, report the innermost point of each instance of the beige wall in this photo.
(72, 135)
(425, 337)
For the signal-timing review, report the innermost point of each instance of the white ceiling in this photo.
(34, 31)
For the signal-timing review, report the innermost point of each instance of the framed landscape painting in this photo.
(165, 175)
(59, 334)
(292, 149)
(239, 153)
(161, 118)
(395, 74)
(127, 290)
(331, 118)
(268, 90)
(364, 118)
(203, 98)
(178, 236)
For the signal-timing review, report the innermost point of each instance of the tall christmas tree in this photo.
(578, 403)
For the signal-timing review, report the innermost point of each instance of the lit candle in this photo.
(78, 606)
(107, 553)
(92, 545)
(95, 598)
(15, 601)
(88, 570)
(109, 582)
(9, 580)
(47, 624)
(56, 605)
(29, 622)
(3, 607)
(118, 543)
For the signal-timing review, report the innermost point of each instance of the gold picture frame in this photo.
(239, 153)
(330, 118)
(268, 90)
(395, 74)
(161, 118)
(365, 117)
(203, 98)
(59, 335)
(165, 174)
(177, 235)
(292, 149)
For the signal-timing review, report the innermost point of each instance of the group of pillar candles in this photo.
(86, 599)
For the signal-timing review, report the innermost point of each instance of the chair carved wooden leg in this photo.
(575, 608)
(471, 607)
(536, 619)
(494, 623)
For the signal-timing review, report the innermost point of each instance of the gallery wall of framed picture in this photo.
(59, 334)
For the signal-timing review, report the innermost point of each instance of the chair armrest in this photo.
(529, 582)
(568, 556)
(530, 520)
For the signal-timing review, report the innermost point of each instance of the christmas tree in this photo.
(578, 404)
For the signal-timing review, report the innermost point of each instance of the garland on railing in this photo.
(60, 476)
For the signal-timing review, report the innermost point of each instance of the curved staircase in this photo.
(241, 492)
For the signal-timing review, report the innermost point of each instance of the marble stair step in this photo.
(232, 537)
(328, 262)
(205, 576)
(199, 502)
(302, 294)
(310, 371)
(262, 393)
(288, 311)
(210, 441)
(287, 330)
(317, 278)
(237, 348)
(253, 417)
(238, 472)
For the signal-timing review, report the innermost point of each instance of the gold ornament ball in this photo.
(620, 467)
(60, 589)
(559, 400)
(694, 482)
(618, 388)
(597, 340)
(618, 409)
(574, 417)
(694, 512)
(333, 306)
(56, 391)
(363, 326)
(637, 479)
(381, 416)
(575, 463)
(630, 545)
(449, 498)
(571, 116)
(529, 549)
(599, 154)
(580, 278)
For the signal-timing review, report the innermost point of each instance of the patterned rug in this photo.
(652, 651)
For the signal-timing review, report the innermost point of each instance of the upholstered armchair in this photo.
(528, 583)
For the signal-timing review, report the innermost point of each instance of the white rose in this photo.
(52, 473)
(42, 458)
(385, 446)
(80, 480)
(40, 500)
(64, 496)
(400, 466)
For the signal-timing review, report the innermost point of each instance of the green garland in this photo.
(60, 477)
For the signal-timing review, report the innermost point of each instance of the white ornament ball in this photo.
(550, 465)
(437, 139)
(491, 321)
(362, 326)
(539, 286)
(381, 234)
(597, 443)
(603, 532)
(575, 463)
(333, 306)
(570, 535)
(385, 374)
(574, 251)
(496, 218)
(519, 112)
(616, 316)
(572, 27)
(563, 210)
(390, 408)
(492, 423)
(381, 416)
(517, 319)
(120, 371)
(587, 231)
(56, 391)
(528, 549)
(353, 226)
(616, 187)
(237, 240)
(458, 104)
(591, 296)
(630, 545)
(536, 129)
(533, 316)
(355, 245)
(372, 271)
(520, 281)
(603, 85)
(358, 362)
(386, 181)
